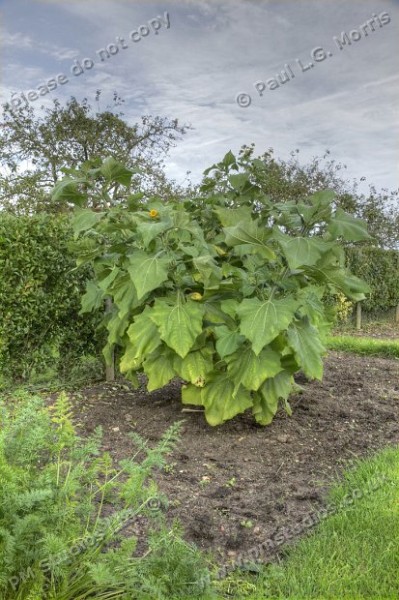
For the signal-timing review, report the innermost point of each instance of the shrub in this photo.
(380, 269)
(340, 307)
(40, 296)
(225, 293)
(62, 504)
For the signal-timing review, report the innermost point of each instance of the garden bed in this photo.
(233, 486)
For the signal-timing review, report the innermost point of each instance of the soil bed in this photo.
(231, 487)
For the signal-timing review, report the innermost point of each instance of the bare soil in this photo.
(231, 487)
(378, 331)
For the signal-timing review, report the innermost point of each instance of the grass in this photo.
(364, 346)
(352, 554)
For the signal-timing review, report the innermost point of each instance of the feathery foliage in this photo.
(64, 504)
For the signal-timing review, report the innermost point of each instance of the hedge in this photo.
(380, 268)
(40, 295)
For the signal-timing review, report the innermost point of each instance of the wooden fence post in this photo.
(397, 314)
(109, 369)
(358, 315)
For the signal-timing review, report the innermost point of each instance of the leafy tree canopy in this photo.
(291, 180)
(38, 147)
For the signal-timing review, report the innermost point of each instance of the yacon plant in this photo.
(224, 292)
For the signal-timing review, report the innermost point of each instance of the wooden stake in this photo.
(110, 369)
(358, 315)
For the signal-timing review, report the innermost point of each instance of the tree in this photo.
(291, 180)
(37, 149)
(225, 293)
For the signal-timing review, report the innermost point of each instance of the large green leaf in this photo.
(185, 227)
(93, 298)
(67, 190)
(229, 306)
(125, 296)
(147, 272)
(114, 171)
(144, 334)
(348, 227)
(262, 321)
(214, 315)
(300, 251)
(265, 403)
(247, 369)
(209, 271)
(84, 219)
(312, 305)
(229, 217)
(286, 214)
(180, 324)
(227, 341)
(322, 198)
(251, 237)
(229, 159)
(116, 328)
(221, 402)
(239, 181)
(305, 341)
(106, 281)
(130, 360)
(317, 208)
(289, 362)
(150, 230)
(341, 280)
(159, 368)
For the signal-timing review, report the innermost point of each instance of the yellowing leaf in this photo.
(220, 401)
(191, 394)
(130, 361)
(194, 367)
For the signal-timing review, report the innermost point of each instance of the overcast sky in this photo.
(208, 51)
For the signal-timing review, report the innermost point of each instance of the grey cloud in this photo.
(217, 48)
